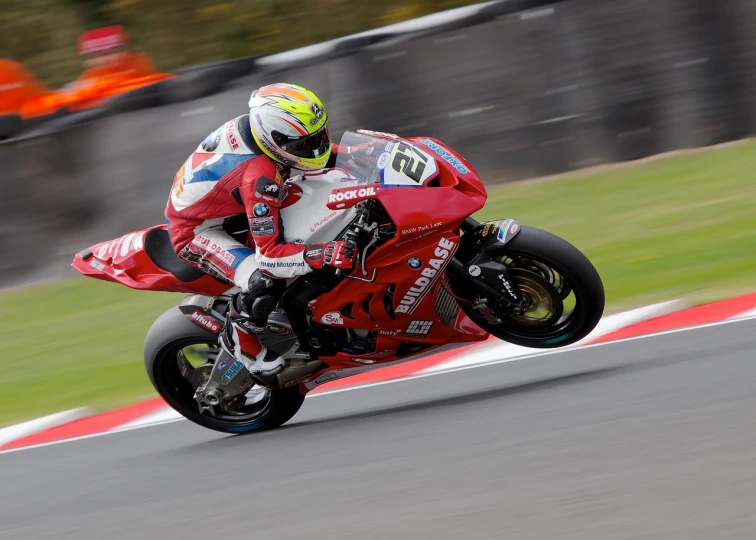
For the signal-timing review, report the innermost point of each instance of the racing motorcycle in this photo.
(428, 276)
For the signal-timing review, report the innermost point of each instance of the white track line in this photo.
(165, 414)
(24, 429)
(745, 315)
(550, 352)
(607, 325)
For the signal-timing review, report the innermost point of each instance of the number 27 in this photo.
(405, 162)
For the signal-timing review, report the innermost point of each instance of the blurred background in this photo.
(623, 126)
(102, 100)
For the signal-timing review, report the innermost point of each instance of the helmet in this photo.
(290, 125)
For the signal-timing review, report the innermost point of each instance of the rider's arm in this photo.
(335, 149)
(356, 149)
(261, 191)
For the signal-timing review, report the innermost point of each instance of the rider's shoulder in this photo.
(233, 137)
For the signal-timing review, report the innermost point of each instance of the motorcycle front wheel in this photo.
(564, 295)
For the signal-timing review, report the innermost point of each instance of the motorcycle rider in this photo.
(240, 168)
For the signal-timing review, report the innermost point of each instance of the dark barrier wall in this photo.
(558, 88)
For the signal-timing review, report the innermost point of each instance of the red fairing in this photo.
(409, 268)
(402, 296)
(124, 260)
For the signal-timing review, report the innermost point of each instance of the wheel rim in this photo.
(543, 305)
(186, 365)
(553, 306)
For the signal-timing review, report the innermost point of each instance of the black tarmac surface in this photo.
(644, 439)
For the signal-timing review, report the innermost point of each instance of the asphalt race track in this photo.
(648, 438)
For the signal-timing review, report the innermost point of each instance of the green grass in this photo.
(678, 227)
(72, 344)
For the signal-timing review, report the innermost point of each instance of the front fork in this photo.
(479, 269)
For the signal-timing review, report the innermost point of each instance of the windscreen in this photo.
(371, 159)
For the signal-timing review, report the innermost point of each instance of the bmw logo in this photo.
(261, 209)
(415, 263)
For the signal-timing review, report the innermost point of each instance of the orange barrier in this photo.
(98, 84)
(17, 86)
(23, 94)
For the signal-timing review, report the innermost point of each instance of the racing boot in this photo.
(244, 346)
(260, 298)
(249, 310)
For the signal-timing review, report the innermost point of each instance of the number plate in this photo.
(406, 165)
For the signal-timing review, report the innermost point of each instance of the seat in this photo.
(158, 246)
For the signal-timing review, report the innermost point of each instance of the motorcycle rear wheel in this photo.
(172, 335)
(565, 294)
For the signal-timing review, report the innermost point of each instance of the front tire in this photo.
(559, 277)
(172, 334)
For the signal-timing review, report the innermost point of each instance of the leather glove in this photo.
(338, 254)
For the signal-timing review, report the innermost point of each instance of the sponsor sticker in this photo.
(350, 194)
(446, 155)
(231, 135)
(314, 253)
(210, 245)
(430, 273)
(489, 228)
(415, 263)
(261, 221)
(507, 285)
(263, 230)
(223, 364)
(422, 228)
(390, 332)
(474, 270)
(282, 264)
(507, 226)
(322, 221)
(318, 112)
(97, 265)
(332, 318)
(205, 322)
(278, 330)
(178, 183)
(383, 160)
(233, 370)
(418, 328)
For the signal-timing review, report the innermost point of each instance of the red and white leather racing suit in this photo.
(228, 175)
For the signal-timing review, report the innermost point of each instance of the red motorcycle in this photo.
(428, 276)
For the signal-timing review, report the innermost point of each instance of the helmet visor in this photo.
(308, 147)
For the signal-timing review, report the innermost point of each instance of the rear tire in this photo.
(578, 276)
(172, 332)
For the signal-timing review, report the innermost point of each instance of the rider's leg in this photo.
(216, 253)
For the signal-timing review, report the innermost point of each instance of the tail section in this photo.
(145, 260)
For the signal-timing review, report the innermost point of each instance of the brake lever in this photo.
(376, 236)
